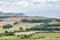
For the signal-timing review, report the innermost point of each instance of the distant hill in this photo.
(11, 14)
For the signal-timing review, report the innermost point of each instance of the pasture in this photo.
(24, 25)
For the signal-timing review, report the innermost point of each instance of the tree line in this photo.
(43, 27)
(40, 20)
(36, 20)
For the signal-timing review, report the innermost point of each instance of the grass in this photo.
(23, 25)
(47, 35)
(54, 23)
(38, 36)
(16, 27)
(8, 37)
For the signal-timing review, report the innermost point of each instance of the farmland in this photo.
(29, 28)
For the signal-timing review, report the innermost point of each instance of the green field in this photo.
(39, 36)
(24, 25)
(16, 27)
(47, 35)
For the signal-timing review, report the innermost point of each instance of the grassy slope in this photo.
(25, 25)
(16, 27)
(46, 35)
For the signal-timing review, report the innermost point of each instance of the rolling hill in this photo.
(11, 14)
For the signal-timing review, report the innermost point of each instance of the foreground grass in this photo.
(36, 36)
(46, 35)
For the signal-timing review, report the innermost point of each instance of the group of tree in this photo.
(47, 27)
(7, 33)
(7, 26)
(36, 20)
(40, 20)
(25, 36)
(58, 20)
(51, 25)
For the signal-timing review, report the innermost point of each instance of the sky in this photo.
(48, 8)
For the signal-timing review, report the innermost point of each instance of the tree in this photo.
(21, 29)
(11, 33)
(18, 35)
(25, 36)
(7, 26)
(1, 34)
(36, 20)
(15, 23)
(8, 33)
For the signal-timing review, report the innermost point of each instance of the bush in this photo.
(1, 34)
(25, 36)
(21, 29)
(7, 26)
(15, 23)
(18, 35)
(8, 33)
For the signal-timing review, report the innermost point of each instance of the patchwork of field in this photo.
(17, 26)
(13, 19)
(10, 20)
(24, 25)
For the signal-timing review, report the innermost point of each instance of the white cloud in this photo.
(44, 0)
(13, 4)
(19, 4)
(47, 2)
(41, 1)
(22, 4)
(53, 0)
(2, 3)
(55, 3)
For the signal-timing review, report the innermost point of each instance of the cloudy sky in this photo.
(49, 8)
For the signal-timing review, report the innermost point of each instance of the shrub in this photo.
(15, 23)
(8, 33)
(18, 35)
(21, 29)
(7, 26)
(25, 36)
(1, 34)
